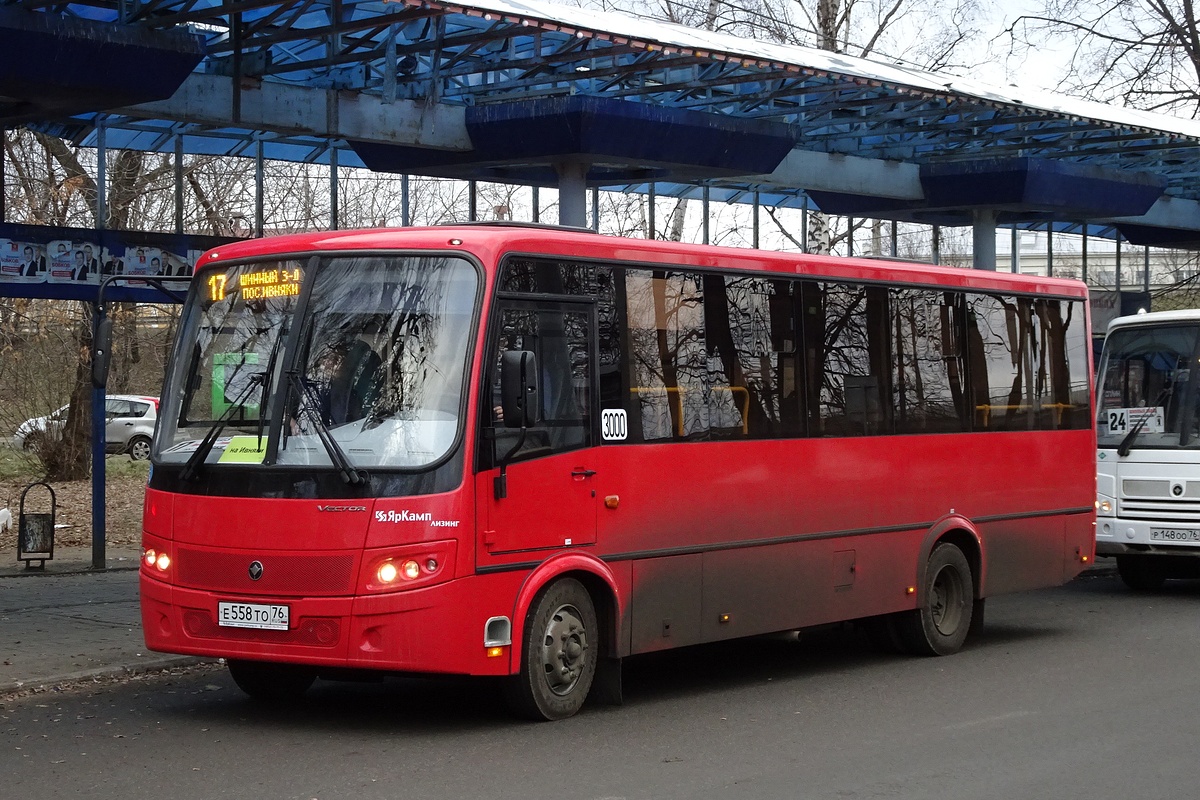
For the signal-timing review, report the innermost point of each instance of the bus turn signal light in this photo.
(495, 652)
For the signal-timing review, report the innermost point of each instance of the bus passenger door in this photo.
(548, 494)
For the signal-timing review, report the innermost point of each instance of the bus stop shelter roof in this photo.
(430, 87)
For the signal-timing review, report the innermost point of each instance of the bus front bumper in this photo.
(417, 631)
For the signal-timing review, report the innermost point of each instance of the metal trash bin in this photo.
(35, 531)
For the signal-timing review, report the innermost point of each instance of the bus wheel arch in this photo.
(567, 617)
(950, 604)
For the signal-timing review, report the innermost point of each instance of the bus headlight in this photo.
(1105, 507)
(407, 567)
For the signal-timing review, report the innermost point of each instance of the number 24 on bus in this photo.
(533, 453)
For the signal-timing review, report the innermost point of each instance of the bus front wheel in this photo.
(1141, 573)
(940, 626)
(271, 682)
(558, 660)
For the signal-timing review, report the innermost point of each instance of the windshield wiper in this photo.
(1127, 443)
(192, 468)
(268, 377)
(309, 403)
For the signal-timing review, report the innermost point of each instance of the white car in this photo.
(129, 426)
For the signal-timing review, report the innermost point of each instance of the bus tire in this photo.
(1141, 573)
(558, 660)
(940, 625)
(271, 683)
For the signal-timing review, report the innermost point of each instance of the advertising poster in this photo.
(42, 261)
(22, 262)
(62, 269)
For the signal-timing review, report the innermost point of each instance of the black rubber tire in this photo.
(139, 448)
(1141, 573)
(941, 624)
(558, 657)
(977, 612)
(271, 683)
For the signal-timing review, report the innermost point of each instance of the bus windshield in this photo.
(1147, 396)
(373, 357)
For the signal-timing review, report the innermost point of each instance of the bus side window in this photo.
(559, 339)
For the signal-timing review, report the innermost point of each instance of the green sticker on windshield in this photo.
(244, 450)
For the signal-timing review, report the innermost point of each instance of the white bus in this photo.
(1148, 455)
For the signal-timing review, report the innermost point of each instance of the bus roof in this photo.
(1156, 318)
(490, 242)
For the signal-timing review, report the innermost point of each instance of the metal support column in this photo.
(895, 244)
(1146, 271)
(596, 209)
(936, 244)
(333, 189)
(178, 165)
(754, 229)
(260, 167)
(1015, 256)
(405, 209)
(850, 237)
(983, 239)
(704, 206)
(1084, 253)
(472, 201)
(572, 193)
(101, 175)
(1049, 249)
(537, 204)
(1117, 272)
(651, 202)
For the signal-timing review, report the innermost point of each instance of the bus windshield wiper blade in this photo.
(308, 407)
(268, 377)
(1127, 443)
(192, 468)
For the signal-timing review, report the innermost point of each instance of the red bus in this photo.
(531, 452)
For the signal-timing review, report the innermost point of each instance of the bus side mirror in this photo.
(519, 388)
(101, 352)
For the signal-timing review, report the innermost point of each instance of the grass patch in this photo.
(17, 465)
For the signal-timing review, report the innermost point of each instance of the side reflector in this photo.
(612, 501)
(911, 590)
(493, 652)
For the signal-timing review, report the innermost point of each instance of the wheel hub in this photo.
(946, 601)
(564, 649)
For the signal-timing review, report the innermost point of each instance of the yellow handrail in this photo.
(674, 394)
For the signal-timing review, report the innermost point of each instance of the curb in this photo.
(48, 683)
(65, 570)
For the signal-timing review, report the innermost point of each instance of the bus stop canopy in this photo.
(544, 94)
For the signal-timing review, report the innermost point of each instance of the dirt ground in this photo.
(73, 514)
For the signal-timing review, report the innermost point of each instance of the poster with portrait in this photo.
(62, 260)
(143, 261)
(22, 262)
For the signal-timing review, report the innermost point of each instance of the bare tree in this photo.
(1143, 53)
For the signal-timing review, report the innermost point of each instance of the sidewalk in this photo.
(68, 622)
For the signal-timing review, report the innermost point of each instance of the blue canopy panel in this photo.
(1160, 237)
(623, 141)
(54, 66)
(1018, 189)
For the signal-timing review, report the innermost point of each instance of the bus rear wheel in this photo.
(940, 626)
(1141, 573)
(558, 660)
(271, 683)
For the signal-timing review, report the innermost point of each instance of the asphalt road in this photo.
(1085, 691)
